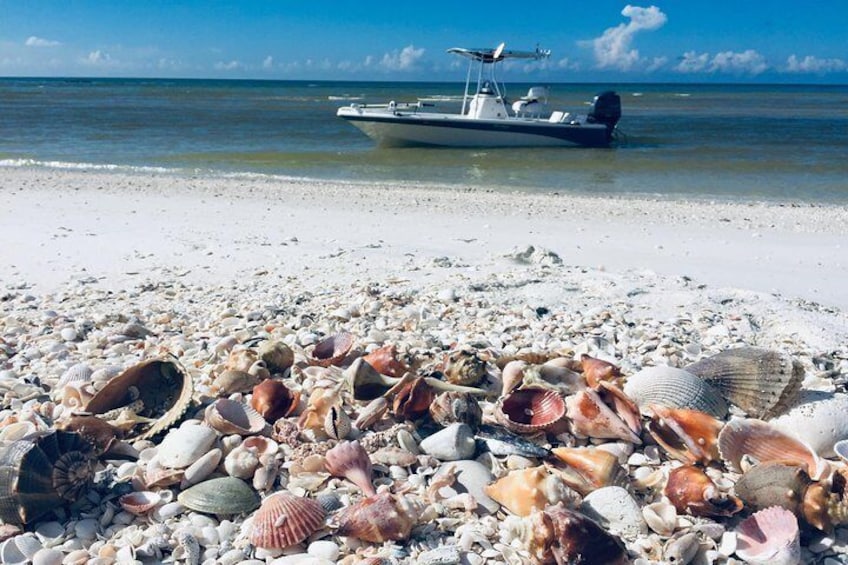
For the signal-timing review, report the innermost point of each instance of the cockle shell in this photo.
(274, 400)
(759, 381)
(764, 443)
(530, 410)
(385, 361)
(693, 492)
(687, 435)
(769, 537)
(233, 417)
(163, 387)
(41, 473)
(588, 468)
(185, 445)
(349, 459)
(379, 518)
(674, 388)
(278, 356)
(284, 520)
(331, 350)
(818, 419)
(525, 490)
(224, 495)
(140, 503)
(464, 367)
(452, 407)
(611, 416)
(558, 535)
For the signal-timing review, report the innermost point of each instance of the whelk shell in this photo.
(348, 459)
(331, 350)
(588, 468)
(233, 417)
(464, 367)
(224, 495)
(530, 410)
(549, 375)
(284, 520)
(597, 370)
(757, 439)
(769, 537)
(161, 388)
(274, 400)
(687, 435)
(412, 399)
(558, 535)
(693, 492)
(674, 388)
(759, 381)
(773, 484)
(525, 490)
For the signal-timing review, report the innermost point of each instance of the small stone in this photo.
(68, 334)
(47, 556)
(452, 443)
(324, 550)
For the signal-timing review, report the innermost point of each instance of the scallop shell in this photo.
(284, 520)
(769, 537)
(224, 495)
(690, 490)
(530, 410)
(163, 387)
(379, 518)
(274, 400)
(588, 468)
(560, 535)
(140, 503)
(687, 435)
(674, 388)
(331, 350)
(759, 381)
(525, 490)
(79, 372)
(818, 419)
(349, 459)
(233, 417)
(764, 443)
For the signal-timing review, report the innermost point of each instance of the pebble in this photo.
(451, 443)
(323, 549)
(47, 556)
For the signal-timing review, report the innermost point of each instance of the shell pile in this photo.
(390, 425)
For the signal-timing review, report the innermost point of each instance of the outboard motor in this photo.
(606, 109)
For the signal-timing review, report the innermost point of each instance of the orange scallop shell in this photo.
(529, 410)
(284, 520)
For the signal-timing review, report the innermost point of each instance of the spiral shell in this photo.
(674, 388)
(464, 367)
(284, 520)
(611, 416)
(692, 491)
(276, 355)
(560, 535)
(687, 435)
(385, 361)
(588, 468)
(452, 407)
(525, 490)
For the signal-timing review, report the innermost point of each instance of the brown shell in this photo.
(233, 417)
(348, 459)
(452, 407)
(690, 490)
(530, 410)
(331, 350)
(164, 388)
(365, 382)
(761, 382)
(231, 381)
(274, 400)
(773, 484)
(98, 432)
(385, 361)
(690, 436)
(379, 518)
(588, 468)
(412, 399)
(464, 367)
(43, 472)
(597, 370)
(559, 535)
(591, 416)
(278, 356)
(284, 520)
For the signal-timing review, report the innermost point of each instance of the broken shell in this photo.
(757, 439)
(140, 503)
(378, 518)
(559, 535)
(690, 490)
(818, 419)
(231, 381)
(185, 445)
(99, 433)
(525, 490)
(661, 517)
(278, 356)
(348, 459)
(161, 388)
(759, 381)
(452, 407)
(337, 423)
(274, 400)
(224, 495)
(530, 410)
(233, 417)
(412, 399)
(588, 468)
(241, 462)
(597, 370)
(284, 520)
(687, 435)
(615, 508)
(464, 367)
(241, 359)
(549, 375)
(331, 350)
(674, 388)
(41, 473)
(319, 404)
(769, 537)
(590, 416)
(682, 549)
(385, 361)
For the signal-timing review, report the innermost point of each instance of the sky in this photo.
(784, 41)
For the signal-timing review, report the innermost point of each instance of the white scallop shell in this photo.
(185, 445)
(617, 510)
(674, 388)
(818, 419)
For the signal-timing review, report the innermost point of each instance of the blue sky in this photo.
(598, 40)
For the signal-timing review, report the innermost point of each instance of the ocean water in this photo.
(746, 142)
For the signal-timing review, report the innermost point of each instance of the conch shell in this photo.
(687, 435)
(692, 491)
(606, 413)
(525, 490)
(586, 469)
(379, 518)
(561, 536)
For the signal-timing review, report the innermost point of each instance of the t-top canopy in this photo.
(499, 54)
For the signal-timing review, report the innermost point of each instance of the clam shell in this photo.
(185, 445)
(759, 381)
(162, 385)
(224, 495)
(769, 537)
(674, 388)
(765, 443)
(331, 350)
(818, 419)
(232, 417)
(284, 520)
(379, 518)
(525, 490)
(530, 410)
(140, 503)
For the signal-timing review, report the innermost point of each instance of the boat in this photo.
(487, 118)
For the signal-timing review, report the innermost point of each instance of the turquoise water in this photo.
(750, 142)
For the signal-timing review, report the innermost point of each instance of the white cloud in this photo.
(405, 60)
(268, 62)
(745, 62)
(613, 48)
(228, 66)
(810, 64)
(692, 62)
(33, 41)
(98, 58)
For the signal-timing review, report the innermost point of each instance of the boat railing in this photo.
(393, 106)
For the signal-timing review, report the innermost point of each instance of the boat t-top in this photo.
(487, 119)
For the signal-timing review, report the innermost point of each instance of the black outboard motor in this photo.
(606, 109)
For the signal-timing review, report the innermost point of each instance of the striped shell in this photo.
(284, 520)
(674, 388)
(224, 495)
(163, 387)
(817, 418)
(530, 410)
(759, 381)
(769, 537)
